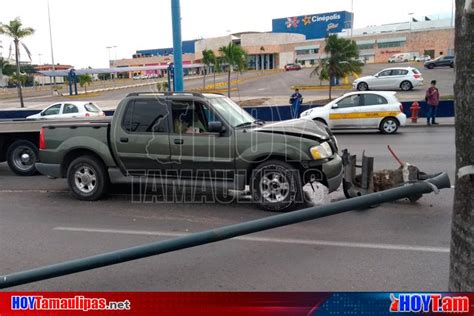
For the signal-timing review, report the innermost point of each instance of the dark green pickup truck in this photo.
(191, 139)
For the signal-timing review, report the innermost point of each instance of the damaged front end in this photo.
(370, 181)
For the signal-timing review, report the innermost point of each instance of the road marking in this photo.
(267, 239)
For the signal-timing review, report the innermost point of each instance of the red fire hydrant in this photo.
(415, 109)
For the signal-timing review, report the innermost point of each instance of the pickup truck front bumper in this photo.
(334, 171)
(49, 169)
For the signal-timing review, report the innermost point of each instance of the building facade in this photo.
(301, 39)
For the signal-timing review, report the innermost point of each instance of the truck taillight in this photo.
(42, 143)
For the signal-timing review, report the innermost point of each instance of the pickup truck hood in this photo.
(297, 127)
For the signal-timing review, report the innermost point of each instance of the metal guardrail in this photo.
(440, 181)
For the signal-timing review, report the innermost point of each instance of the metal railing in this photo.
(439, 181)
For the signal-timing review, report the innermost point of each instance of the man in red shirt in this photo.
(432, 99)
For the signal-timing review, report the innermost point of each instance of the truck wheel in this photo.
(21, 157)
(276, 186)
(87, 178)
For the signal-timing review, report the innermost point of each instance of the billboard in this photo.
(314, 25)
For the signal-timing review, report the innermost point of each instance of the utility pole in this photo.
(352, 18)
(461, 276)
(177, 45)
(52, 54)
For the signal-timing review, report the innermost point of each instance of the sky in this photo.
(83, 29)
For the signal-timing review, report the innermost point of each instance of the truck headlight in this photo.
(322, 151)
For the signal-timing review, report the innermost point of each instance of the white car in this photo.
(404, 78)
(69, 110)
(381, 110)
(423, 58)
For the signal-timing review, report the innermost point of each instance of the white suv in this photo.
(404, 78)
(381, 110)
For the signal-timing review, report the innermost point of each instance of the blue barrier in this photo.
(270, 113)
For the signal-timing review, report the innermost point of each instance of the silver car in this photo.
(399, 78)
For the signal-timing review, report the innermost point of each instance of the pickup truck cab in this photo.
(191, 139)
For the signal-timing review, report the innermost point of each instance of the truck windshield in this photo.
(231, 112)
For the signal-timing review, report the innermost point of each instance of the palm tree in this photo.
(17, 32)
(341, 60)
(208, 59)
(84, 81)
(234, 56)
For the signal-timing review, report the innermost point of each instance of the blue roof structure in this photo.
(188, 48)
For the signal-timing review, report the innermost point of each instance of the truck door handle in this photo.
(178, 141)
(123, 139)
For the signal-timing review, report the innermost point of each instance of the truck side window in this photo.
(189, 117)
(146, 116)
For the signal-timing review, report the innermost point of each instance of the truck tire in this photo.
(87, 178)
(21, 157)
(276, 186)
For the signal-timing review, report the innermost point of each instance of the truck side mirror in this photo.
(216, 127)
(334, 106)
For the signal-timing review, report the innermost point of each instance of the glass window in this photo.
(390, 44)
(70, 109)
(52, 110)
(365, 46)
(230, 111)
(91, 107)
(399, 72)
(385, 73)
(146, 116)
(374, 99)
(350, 101)
(191, 117)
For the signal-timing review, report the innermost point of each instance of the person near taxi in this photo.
(432, 99)
(295, 100)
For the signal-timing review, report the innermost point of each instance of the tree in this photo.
(84, 81)
(234, 56)
(208, 59)
(6, 68)
(341, 60)
(17, 32)
(461, 276)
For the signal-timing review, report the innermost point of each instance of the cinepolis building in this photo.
(301, 39)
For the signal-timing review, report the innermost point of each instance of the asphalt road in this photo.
(395, 246)
(275, 86)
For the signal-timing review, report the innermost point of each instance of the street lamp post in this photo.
(177, 45)
(411, 19)
(52, 54)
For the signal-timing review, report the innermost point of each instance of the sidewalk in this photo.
(443, 121)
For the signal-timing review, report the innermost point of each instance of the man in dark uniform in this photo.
(295, 100)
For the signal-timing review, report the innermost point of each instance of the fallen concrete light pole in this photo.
(440, 181)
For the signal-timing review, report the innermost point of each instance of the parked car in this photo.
(442, 61)
(289, 67)
(423, 58)
(399, 58)
(404, 78)
(191, 139)
(67, 110)
(380, 110)
(362, 60)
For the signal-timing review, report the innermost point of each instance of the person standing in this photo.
(432, 99)
(295, 100)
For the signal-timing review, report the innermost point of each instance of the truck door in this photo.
(141, 138)
(195, 152)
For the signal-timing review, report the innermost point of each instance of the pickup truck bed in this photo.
(19, 142)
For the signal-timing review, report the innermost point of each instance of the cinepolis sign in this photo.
(314, 25)
(293, 22)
